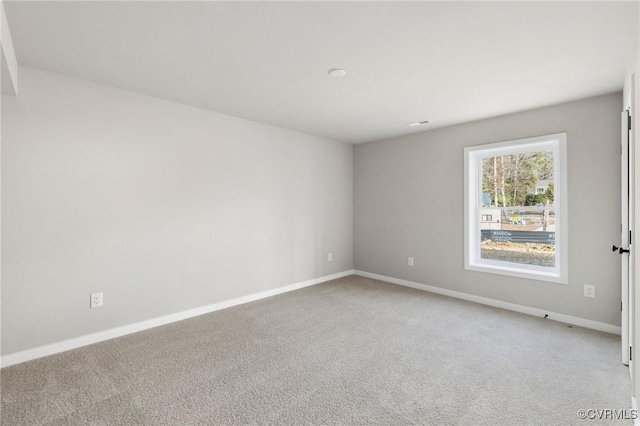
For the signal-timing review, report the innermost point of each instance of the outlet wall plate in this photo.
(96, 300)
(410, 261)
(589, 290)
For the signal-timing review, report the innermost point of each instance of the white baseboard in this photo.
(54, 348)
(595, 325)
(634, 411)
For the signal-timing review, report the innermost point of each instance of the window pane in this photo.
(522, 236)
(517, 194)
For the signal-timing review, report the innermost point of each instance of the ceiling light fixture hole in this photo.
(337, 72)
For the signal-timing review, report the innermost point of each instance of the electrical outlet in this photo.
(410, 261)
(96, 300)
(589, 290)
(330, 257)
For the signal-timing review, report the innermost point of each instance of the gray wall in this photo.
(409, 202)
(161, 206)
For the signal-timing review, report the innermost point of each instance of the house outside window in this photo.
(542, 186)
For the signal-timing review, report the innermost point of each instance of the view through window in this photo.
(514, 210)
(521, 226)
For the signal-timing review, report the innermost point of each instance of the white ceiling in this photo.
(448, 62)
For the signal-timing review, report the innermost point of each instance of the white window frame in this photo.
(557, 143)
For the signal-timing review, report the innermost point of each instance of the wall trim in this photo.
(89, 339)
(634, 411)
(595, 325)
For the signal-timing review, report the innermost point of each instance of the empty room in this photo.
(319, 212)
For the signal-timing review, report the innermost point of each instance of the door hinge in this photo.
(621, 306)
(629, 236)
(630, 353)
(628, 121)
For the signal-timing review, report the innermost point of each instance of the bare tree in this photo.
(495, 181)
(502, 176)
(515, 178)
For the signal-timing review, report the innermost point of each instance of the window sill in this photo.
(531, 272)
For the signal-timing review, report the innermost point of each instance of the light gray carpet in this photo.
(350, 351)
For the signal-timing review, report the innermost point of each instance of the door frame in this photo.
(625, 227)
(627, 263)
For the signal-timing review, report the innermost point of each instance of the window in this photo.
(515, 208)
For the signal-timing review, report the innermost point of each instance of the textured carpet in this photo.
(350, 351)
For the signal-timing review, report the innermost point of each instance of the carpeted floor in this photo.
(350, 351)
